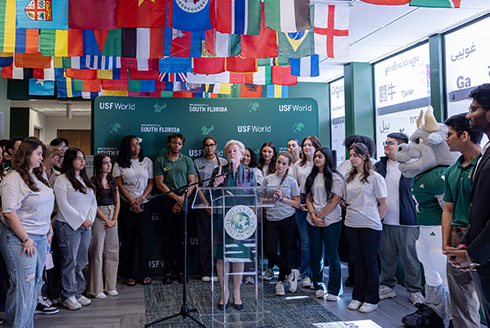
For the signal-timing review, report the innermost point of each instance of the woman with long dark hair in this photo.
(267, 158)
(27, 203)
(134, 176)
(75, 198)
(324, 189)
(251, 160)
(294, 149)
(300, 172)
(366, 201)
(103, 253)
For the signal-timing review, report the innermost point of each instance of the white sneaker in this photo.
(386, 292)
(306, 282)
(205, 279)
(333, 298)
(312, 286)
(71, 303)
(99, 296)
(368, 307)
(56, 301)
(280, 289)
(320, 293)
(293, 280)
(416, 297)
(354, 305)
(214, 279)
(84, 301)
(268, 274)
(112, 292)
(46, 301)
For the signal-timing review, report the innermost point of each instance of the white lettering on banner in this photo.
(111, 151)
(200, 153)
(158, 129)
(116, 106)
(254, 128)
(156, 264)
(295, 108)
(199, 108)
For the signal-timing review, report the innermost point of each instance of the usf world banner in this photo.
(253, 121)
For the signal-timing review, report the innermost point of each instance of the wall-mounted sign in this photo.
(337, 118)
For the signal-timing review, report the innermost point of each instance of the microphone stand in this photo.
(184, 309)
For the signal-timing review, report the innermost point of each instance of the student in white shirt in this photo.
(267, 158)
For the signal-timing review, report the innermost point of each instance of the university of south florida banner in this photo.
(252, 121)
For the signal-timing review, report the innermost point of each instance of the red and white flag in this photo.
(331, 30)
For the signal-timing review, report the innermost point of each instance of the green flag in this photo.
(436, 3)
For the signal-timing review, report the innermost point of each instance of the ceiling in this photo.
(375, 32)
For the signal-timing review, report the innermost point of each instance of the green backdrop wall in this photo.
(252, 121)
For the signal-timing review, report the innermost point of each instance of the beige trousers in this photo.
(103, 255)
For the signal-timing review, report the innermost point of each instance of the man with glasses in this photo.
(204, 167)
(400, 229)
(473, 251)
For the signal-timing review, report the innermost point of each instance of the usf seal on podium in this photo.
(240, 222)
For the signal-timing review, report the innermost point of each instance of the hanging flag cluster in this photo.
(198, 48)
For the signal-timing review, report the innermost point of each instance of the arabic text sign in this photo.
(337, 118)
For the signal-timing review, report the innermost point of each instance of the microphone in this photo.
(232, 168)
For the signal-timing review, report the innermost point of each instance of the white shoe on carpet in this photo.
(280, 289)
(306, 282)
(112, 292)
(84, 301)
(320, 293)
(368, 307)
(333, 298)
(354, 305)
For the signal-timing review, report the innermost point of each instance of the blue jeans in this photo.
(26, 277)
(302, 224)
(329, 237)
(74, 256)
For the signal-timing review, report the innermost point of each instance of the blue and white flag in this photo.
(306, 66)
(42, 14)
(41, 87)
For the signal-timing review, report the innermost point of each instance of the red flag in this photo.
(263, 45)
(138, 94)
(183, 94)
(241, 65)
(143, 75)
(387, 2)
(209, 65)
(250, 90)
(92, 14)
(86, 85)
(141, 13)
(82, 74)
(282, 75)
(142, 64)
(115, 84)
(32, 60)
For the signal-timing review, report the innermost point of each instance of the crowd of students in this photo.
(51, 208)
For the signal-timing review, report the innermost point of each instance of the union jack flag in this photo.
(172, 77)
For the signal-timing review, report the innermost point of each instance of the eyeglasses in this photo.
(209, 145)
(62, 147)
(473, 109)
(389, 143)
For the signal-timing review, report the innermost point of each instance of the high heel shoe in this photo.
(239, 307)
(222, 306)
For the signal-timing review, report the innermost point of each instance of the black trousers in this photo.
(364, 246)
(282, 231)
(134, 229)
(204, 236)
(173, 236)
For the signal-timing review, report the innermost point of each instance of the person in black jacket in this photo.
(473, 252)
(400, 230)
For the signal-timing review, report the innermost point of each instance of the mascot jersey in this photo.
(425, 188)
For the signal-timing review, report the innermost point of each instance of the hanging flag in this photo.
(82, 74)
(61, 43)
(102, 62)
(34, 60)
(193, 15)
(331, 30)
(250, 90)
(86, 85)
(387, 2)
(175, 65)
(307, 66)
(74, 62)
(112, 46)
(238, 16)
(143, 75)
(16, 73)
(116, 93)
(42, 14)
(220, 88)
(208, 65)
(200, 78)
(182, 94)
(142, 42)
(241, 65)
(227, 77)
(192, 87)
(263, 45)
(172, 77)
(277, 91)
(141, 13)
(26, 40)
(277, 61)
(182, 43)
(6, 59)
(296, 44)
(436, 3)
(221, 44)
(121, 84)
(287, 15)
(141, 85)
(64, 88)
(282, 75)
(41, 87)
(7, 25)
(109, 74)
(92, 95)
(86, 14)
(261, 77)
(94, 41)
(46, 74)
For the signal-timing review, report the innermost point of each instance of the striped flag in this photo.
(287, 15)
(182, 43)
(42, 14)
(7, 25)
(436, 3)
(263, 45)
(277, 91)
(46, 74)
(41, 87)
(6, 59)
(92, 95)
(140, 64)
(64, 88)
(306, 66)
(86, 85)
(141, 85)
(221, 44)
(142, 42)
(26, 40)
(276, 61)
(109, 74)
(261, 77)
(74, 62)
(172, 77)
(238, 16)
(102, 62)
(16, 73)
(331, 30)
(220, 88)
(61, 43)
(227, 77)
